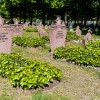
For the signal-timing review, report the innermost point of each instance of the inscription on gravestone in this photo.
(3, 37)
(59, 35)
(5, 40)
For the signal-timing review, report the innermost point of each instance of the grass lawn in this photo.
(78, 83)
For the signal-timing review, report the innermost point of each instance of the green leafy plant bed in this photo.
(25, 73)
(31, 29)
(30, 41)
(88, 56)
(71, 36)
(84, 31)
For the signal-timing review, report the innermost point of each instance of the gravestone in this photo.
(6, 33)
(37, 22)
(41, 30)
(40, 26)
(25, 25)
(1, 21)
(78, 31)
(57, 35)
(87, 37)
(16, 21)
(18, 29)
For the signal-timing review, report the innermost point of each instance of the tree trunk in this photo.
(85, 19)
(11, 16)
(98, 15)
(31, 17)
(20, 18)
(24, 14)
(43, 18)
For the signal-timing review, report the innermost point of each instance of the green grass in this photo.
(78, 83)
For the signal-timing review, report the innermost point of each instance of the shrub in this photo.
(25, 73)
(84, 31)
(29, 41)
(31, 29)
(71, 36)
(90, 55)
(45, 38)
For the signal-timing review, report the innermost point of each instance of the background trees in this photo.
(49, 9)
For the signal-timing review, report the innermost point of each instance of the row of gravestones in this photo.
(87, 37)
(57, 35)
(6, 34)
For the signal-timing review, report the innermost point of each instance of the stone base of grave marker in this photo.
(6, 33)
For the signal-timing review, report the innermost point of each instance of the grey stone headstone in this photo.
(37, 22)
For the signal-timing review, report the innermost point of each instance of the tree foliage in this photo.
(43, 9)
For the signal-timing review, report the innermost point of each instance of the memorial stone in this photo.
(87, 37)
(37, 22)
(57, 35)
(25, 25)
(41, 30)
(1, 21)
(16, 21)
(18, 28)
(6, 33)
(78, 31)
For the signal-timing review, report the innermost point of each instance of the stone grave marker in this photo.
(16, 21)
(57, 35)
(87, 37)
(40, 26)
(37, 22)
(78, 31)
(41, 30)
(25, 25)
(6, 33)
(18, 29)
(1, 21)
